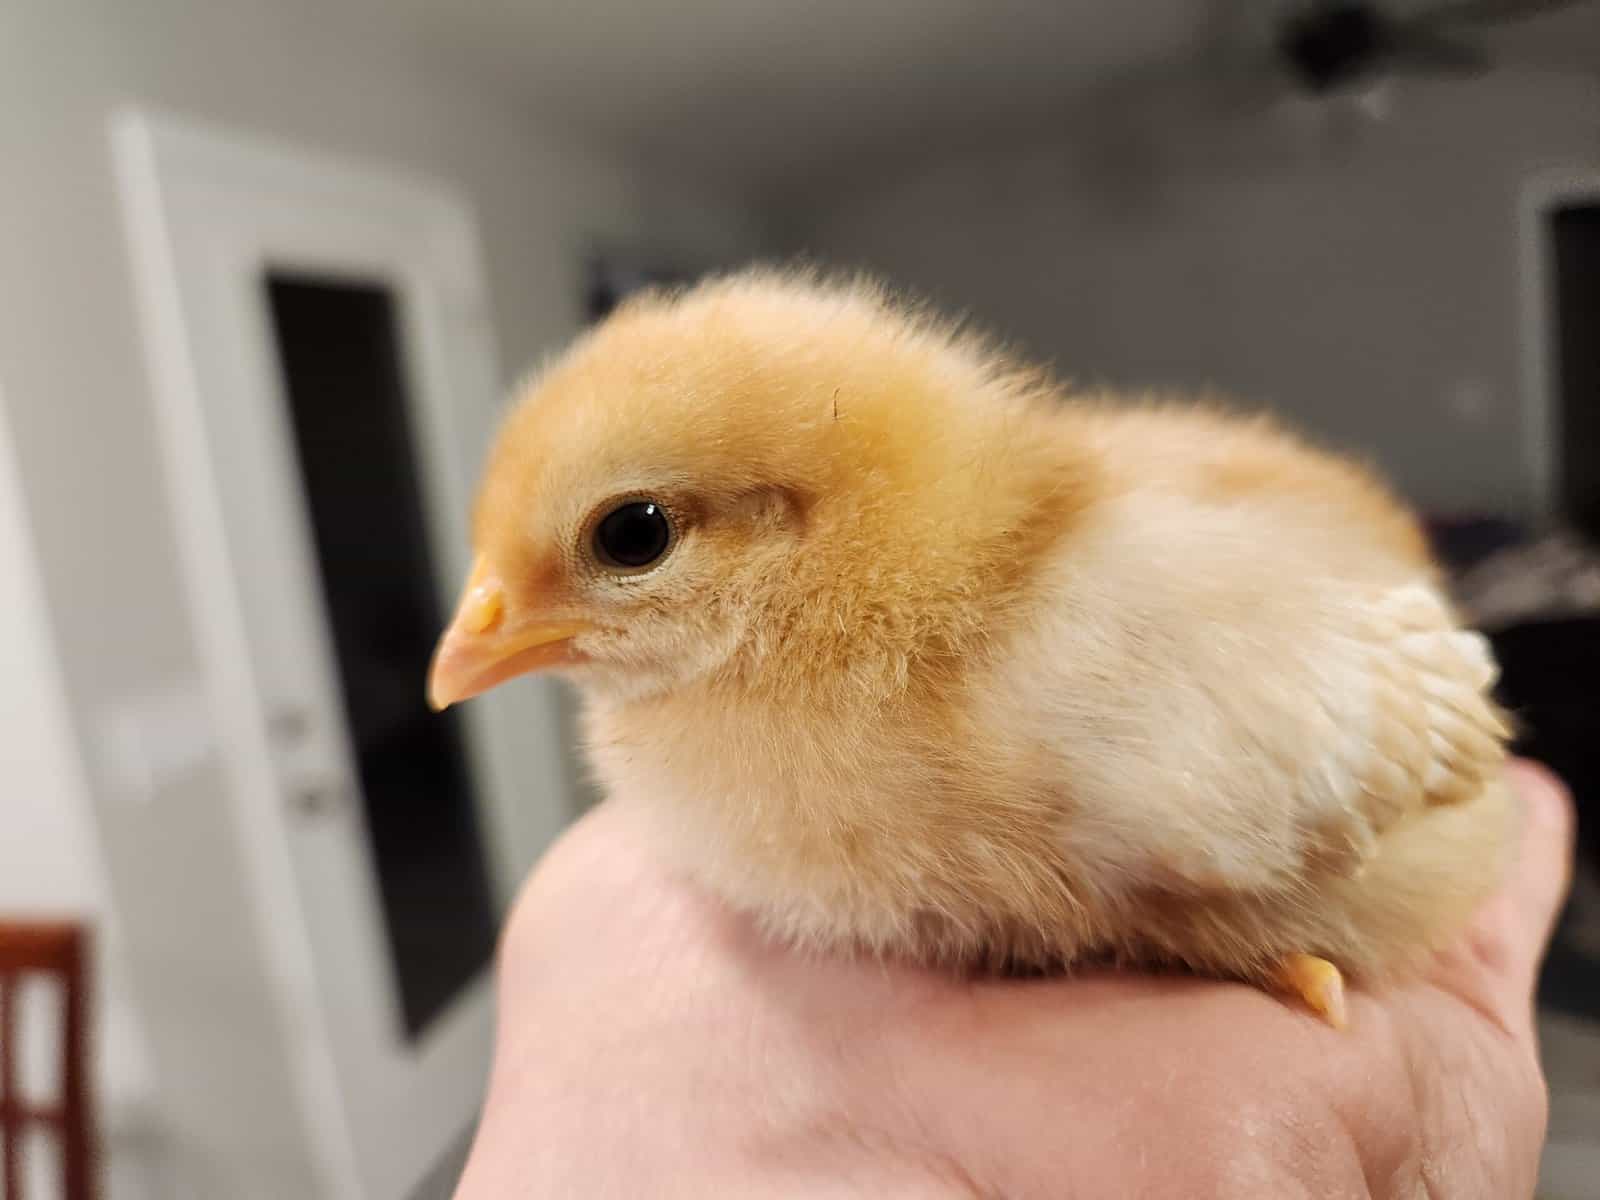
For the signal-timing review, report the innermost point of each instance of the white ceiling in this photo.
(772, 90)
(773, 84)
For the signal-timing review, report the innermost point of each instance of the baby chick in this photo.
(911, 651)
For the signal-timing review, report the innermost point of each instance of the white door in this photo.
(319, 340)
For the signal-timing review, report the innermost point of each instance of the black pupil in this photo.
(635, 535)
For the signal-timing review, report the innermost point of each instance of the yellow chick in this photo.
(911, 651)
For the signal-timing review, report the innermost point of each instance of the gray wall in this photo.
(181, 976)
(50, 862)
(1366, 287)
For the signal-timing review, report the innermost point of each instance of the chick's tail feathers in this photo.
(1426, 876)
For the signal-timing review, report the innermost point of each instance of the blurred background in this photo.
(268, 267)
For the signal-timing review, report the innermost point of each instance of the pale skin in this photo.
(652, 1043)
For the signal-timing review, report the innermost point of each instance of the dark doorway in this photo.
(1573, 237)
(1550, 666)
(339, 350)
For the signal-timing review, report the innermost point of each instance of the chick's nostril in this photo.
(485, 605)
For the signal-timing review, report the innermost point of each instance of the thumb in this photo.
(1538, 882)
(1511, 933)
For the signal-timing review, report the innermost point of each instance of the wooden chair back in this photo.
(53, 950)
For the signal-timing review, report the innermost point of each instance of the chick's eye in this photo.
(632, 535)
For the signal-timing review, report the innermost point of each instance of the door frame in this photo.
(208, 204)
(1541, 193)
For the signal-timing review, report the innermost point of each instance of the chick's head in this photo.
(760, 462)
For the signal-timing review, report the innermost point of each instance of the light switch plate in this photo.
(158, 736)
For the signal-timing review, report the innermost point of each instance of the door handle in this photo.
(288, 726)
(319, 799)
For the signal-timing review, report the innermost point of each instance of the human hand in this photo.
(652, 1043)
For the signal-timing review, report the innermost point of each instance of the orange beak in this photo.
(485, 645)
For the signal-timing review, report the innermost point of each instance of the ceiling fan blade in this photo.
(1490, 12)
(1422, 51)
